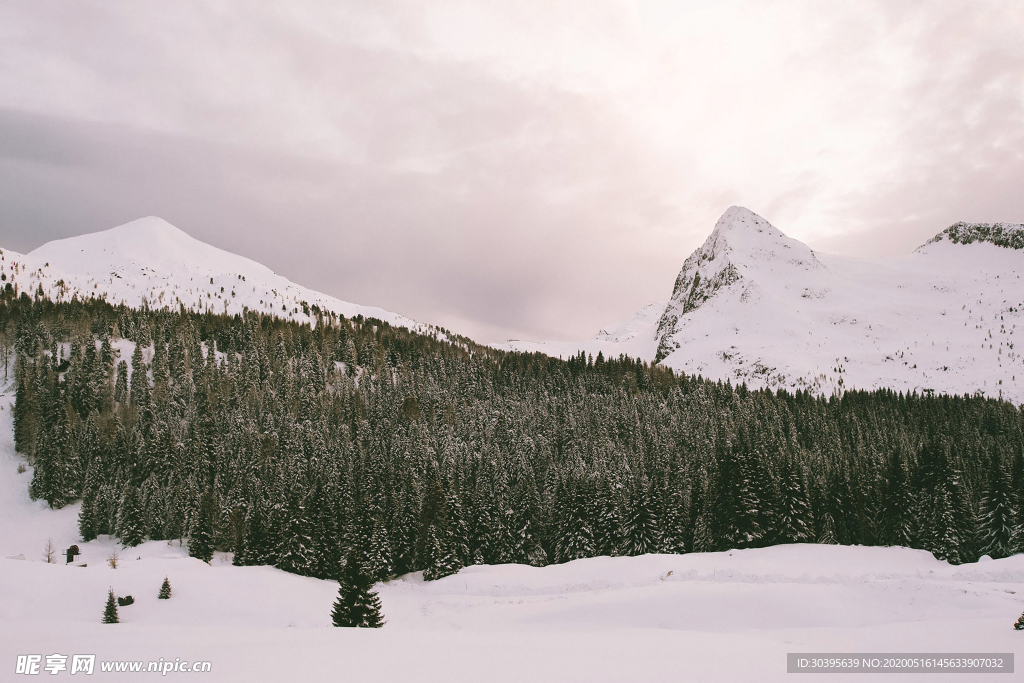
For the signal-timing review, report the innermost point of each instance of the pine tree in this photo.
(438, 549)
(86, 520)
(139, 384)
(200, 540)
(1019, 624)
(110, 611)
(357, 605)
(121, 383)
(795, 520)
(296, 552)
(607, 522)
(131, 522)
(827, 532)
(575, 535)
(642, 534)
(997, 515)
(441, 558)
(165, 590)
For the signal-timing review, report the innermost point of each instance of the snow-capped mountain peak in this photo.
(148, 247)
(753, 305)
(744, 256)
(149, 261)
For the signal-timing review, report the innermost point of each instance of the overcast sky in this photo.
(524, 169)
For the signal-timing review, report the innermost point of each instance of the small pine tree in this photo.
(110, 612)
(358, 605)
(1019, 625)
(165, 590)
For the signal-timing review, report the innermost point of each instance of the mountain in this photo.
(755, 306)
(149, 260)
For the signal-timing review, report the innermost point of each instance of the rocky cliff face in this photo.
(742, 246)
(1008, 235)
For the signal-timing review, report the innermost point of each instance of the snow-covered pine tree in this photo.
(738, 509)
(997, 515)
(641, 532)
(86, 521)
(827, 530)
(165, 590)
(607, 521)
(131, 523)
(1017, 487)
(438, 551)
(110, 610)
(139, 385)
(795, 518)
(575, 535)
(357, 604)
(441, 557)
(200, 539)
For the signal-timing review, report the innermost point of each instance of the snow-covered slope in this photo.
(631, 328)
(633, 336)
(729, 616)
(753, 305)
(149, 260)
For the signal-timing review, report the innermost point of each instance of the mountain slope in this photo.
(149, 260)
(753, 305)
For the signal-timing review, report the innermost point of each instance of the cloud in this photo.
(531, 170)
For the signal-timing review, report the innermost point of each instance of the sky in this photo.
(528, 170)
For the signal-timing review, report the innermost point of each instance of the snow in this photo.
(729, 616)
(769, 311)
(149, 260)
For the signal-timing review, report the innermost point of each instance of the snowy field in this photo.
(713, 617)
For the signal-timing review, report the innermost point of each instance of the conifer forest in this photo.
(296, 445)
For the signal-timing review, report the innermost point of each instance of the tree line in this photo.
(298, 445)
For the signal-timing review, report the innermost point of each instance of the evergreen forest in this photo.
(298, 445)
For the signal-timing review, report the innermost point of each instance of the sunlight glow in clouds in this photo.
(526, 170)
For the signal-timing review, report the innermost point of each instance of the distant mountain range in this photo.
(755, 306)
(750, 305)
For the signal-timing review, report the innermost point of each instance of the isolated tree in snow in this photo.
(110, 611)
(165, 590)
(357, 605)
(1019, 625)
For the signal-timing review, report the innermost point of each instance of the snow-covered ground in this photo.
(711, 617)
(753, 305)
